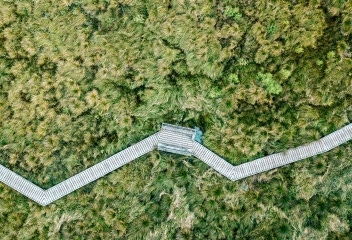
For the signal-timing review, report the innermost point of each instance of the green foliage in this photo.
(81, 80)
(261, 55)
(285, 73)
(272, 28)
(233, 78)
(319, 62)
(215, 92)
(331, 55)
(346, 26)
(269, 83)
(242, 62)
(233, 12)
(299, 50)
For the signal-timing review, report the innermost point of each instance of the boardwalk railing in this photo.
(174, 139)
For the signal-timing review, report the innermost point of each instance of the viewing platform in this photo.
(176, 139)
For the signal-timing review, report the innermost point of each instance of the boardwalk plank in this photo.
(183, 139)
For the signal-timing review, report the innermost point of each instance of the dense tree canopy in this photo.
(80, 80)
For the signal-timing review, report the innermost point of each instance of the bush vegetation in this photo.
(81, 80)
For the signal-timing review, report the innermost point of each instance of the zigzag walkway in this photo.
(178, 140)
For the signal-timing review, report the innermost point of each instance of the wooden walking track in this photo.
(174, 139)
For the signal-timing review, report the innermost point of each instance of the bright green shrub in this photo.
(269, 83)
(233, 12)
(233, 77)
(299, 50)
(271, 28)
(319, 62)
(330, 55)
(285, 74)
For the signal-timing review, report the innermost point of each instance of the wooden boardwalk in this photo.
(174, 139)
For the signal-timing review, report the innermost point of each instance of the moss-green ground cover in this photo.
(81, 80)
